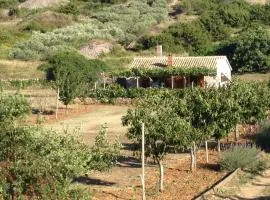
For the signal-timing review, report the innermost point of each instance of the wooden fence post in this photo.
(143, 170)
(206, 151)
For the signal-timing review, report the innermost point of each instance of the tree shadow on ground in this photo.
(130, 146)
(92, 181)
(210, 166)
(133, 162)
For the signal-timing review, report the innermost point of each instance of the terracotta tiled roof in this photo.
(202, 61)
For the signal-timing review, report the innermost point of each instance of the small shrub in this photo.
(34, 26)
(70, 8)
(239, 157)
(263, 138)
(256, 167)
(13, 11)
(7, 3)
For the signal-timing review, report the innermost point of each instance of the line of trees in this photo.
(185, 121)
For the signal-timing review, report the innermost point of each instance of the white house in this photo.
(219, 64)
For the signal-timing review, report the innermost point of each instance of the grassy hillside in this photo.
(35, 30)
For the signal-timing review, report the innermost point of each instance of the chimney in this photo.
(170, 61)
(159, 50)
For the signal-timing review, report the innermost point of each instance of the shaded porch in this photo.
(173, 82)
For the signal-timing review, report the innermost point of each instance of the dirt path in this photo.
(258, 188)
(89, 124)
(242, 187)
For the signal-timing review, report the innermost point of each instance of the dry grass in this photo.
(35, 4)
(255, 77)
(258, 1)
(19, 70)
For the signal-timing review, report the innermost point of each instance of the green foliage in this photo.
(70, 8)
(163, 72)
(198, 7)
(35, 26)
(160, 132)
(192, 37)
(263, 138)
(252, 51)
(71, 73)
(235, 13)
(119, 22)
(214, 24)
(12, 106)
(41, 164)
(239, 157)
(7, 3)
(4, 36)
(103, 153)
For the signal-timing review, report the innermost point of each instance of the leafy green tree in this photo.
(72, 73)
(41, 164)
(214, 24)
(164, 127)
(235, 13)
(193, 37)
(252, 51)
(12, 107)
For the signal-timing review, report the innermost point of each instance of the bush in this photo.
(191, 37)
(70, 8)
(238, 157)
(198, 7)
(12, 107)
(260, 13)
(72, 72)
(7, 3)
(263, 138)
(214, 24)
(35, 26)
(235, 13)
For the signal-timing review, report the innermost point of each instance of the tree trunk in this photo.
(236, 133)
(195, 156)
(66, 109)
(206, 151)
(161, 173)
(218, 145)
(192, 163)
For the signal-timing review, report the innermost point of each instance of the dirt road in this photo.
(90, 123)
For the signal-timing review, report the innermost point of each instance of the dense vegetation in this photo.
(122, 23)
(39, 164)
(72, 73)
(184, 119)
(233, 28)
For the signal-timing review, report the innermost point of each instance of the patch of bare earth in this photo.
(123, 181)
(258, 1)
(95, 48)
(35, 4)
(257, 188)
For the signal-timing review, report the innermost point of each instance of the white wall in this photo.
(222, 68)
